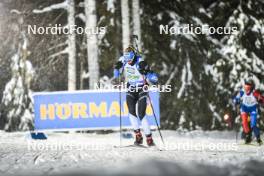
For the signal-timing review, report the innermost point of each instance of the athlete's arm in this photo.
(118, 65)
(258, 96)
(237, 98)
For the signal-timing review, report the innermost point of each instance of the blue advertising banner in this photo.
(86, 110)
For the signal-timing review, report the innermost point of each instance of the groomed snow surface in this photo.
(185, 153)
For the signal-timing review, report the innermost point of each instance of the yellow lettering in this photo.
(125, 112)
(98, 110)
(44, 112)
(63, 111)
(79, 110)
(114, 109)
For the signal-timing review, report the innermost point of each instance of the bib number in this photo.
(249, 101)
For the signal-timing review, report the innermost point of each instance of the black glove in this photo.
(143, 67)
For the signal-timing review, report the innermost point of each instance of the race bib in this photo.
(249, 100)
(132, 74)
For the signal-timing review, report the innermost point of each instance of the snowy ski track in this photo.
(185, 153)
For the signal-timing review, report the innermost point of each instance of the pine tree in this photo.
(17, 107)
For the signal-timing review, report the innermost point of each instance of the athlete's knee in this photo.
(131, 108)
(142, 105)
(131, 104)
(244, 117)
(142, 111)
(253, 119)
(132, 111)
(141, 114)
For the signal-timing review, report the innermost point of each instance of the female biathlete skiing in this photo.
(137, 74)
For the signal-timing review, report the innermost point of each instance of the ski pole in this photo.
(135, 41)
(120, 115)
(236, 128)
(155, 119)
(120, 104)
(236, 124)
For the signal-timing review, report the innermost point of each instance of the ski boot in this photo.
(259, 141)
(150, 141)
(248, 138)
(139, 138)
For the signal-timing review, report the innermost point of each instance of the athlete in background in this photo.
(249, 99)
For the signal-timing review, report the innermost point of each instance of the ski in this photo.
(155, 148)
(132, 146)
(251, 144)
(139, 146)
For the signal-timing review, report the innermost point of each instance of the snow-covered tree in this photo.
(17, 107)
(92, 42)
(68, 5)
(125, 23)
(71, 47)
(243, 49)
(136, 22)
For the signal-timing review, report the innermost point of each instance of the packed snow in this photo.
(184, 153)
